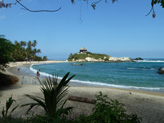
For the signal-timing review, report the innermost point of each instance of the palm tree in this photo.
(34, 43)
(19, 51)
(23, 43)
(53, 101)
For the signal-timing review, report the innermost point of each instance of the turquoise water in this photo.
(134, 75)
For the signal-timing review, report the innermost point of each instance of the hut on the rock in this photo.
(83, 50)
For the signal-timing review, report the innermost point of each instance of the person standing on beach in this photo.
(38, 73)
(18, 70)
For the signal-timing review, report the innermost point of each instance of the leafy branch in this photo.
(153, 2)
(93, 4)
(6, 5)
(24, 7)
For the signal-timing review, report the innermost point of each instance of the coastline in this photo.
(148, 105)
(28, 77)
(25, 74)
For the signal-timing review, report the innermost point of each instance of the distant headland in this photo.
(85, 56)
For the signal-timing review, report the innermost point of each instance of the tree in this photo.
(23, 43)
(6, 49)
(44, 58)
(19, 53)
(26, 51)
(3, 4)
(31, 50)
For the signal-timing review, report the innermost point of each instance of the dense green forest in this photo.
(77, 56)
(18, 51)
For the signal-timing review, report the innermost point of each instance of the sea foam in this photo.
(42, 73)
(98, 84)
(149, 60)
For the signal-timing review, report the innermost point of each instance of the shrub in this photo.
(46, 119)
(6, 115)
(53, 101)
(10, 119)
(111, 111)
(108, 112)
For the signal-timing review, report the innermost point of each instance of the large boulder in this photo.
(80, 60)
(125, 59)
(89, 59)
(6, 80)
(138, 58)
(121, 59)
(161, 70)
(113, 59)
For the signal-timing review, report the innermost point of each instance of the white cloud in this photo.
(2, 17)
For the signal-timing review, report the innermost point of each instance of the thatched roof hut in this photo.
(83, 50)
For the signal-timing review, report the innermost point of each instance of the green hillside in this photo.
(77, 56)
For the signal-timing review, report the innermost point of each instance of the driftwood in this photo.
(81, 99)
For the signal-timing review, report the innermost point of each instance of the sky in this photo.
(119, 30)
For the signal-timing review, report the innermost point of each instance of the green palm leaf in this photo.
(14, 109)
(53, 100)
(5, 110)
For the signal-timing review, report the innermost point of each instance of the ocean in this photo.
(140, 75)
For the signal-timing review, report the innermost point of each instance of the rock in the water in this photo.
(161, 70)
(121, 59)
(138, 58)
(111, 59)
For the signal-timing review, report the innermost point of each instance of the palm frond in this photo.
(53, 100)
(64, 82)
(8, 104)
(13, 109)
(31, 106)
(5, 110)
(39, 102)
(61, 95)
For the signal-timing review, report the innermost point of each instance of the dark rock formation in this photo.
(161, 70)
(138, 58)
(6, 80)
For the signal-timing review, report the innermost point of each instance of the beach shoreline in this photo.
(26, 74)
(148, 105)
(28, 77)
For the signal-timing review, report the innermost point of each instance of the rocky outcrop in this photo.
(7, 80)
(89, 59)
(161, 70)
(121, 59)
(111, 59)
(138, 58)
(78, 60)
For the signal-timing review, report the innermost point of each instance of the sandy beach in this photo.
(147, 105)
